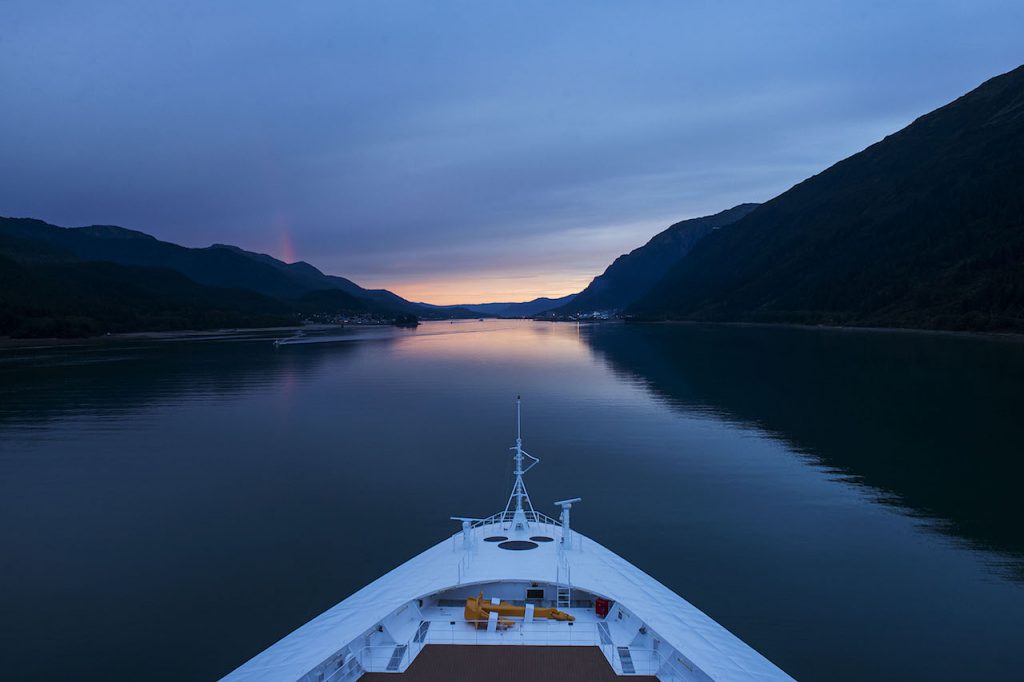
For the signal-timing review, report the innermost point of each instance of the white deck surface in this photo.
(449, 564)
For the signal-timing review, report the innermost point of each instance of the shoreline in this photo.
(8, 342)
(185, 334)
(958, 333)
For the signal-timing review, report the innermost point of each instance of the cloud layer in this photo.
(462, 151)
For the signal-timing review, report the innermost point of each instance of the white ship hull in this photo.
(647, 630)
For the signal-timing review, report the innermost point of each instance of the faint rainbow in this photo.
(286, 246)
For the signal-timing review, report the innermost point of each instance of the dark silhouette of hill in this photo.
(75, 298)
(634, 274)
(312, 278)
(523, 309)
(218, 265)
(102, 278)
(923, 229)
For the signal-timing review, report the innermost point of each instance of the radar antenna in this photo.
(519, 508)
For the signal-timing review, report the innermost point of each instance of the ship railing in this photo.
(508, 517)
(667, 666)
(349, 670)
(541, 524)
(397, 657)
(388, 657)
(537, 633)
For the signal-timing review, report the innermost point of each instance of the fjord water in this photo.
(845, 502)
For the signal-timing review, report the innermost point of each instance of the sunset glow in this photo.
(484, 289)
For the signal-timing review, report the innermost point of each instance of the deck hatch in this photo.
(518, 545)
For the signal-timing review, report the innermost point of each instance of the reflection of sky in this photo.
(455, 151)
(516, 343)
(493, 341)
(259, 486)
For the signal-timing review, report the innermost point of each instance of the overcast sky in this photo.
(458, 152)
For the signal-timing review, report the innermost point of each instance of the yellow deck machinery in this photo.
(478, 610)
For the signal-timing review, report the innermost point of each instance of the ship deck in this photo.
(502, 663)
(386, 626)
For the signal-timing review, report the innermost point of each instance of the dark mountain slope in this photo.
(102, 278)
(535, 307)
(212, 266)
(312, 278)
(46, 291)
(922, 229)
(218, 266)
(523, 309)
(634, 274)
(55, 296)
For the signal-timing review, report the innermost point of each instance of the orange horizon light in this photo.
(476, 290)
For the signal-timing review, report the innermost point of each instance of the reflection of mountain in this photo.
(934, 422)
(131, 377)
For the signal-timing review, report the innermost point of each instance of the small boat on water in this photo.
(517, 595)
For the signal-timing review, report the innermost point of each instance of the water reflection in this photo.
(207, 497)
(934, 423)
(127, 378)
(931, 423)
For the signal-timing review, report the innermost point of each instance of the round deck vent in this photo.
(518, 544)
(541, 538)
(495, 538)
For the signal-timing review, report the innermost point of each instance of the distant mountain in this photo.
(524, 309)
(632, 275)
(314, 279)
(219, 265)
(103, 278)
(57, 296)
(922, 229)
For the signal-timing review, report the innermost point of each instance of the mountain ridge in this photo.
(633, 274)
(536, 306)
(218, 265)
(104, 278)
(924, 229)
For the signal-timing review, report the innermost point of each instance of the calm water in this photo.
(846, 502)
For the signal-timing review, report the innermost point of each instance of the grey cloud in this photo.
(414, 139)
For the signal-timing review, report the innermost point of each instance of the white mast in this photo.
(519, 506)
